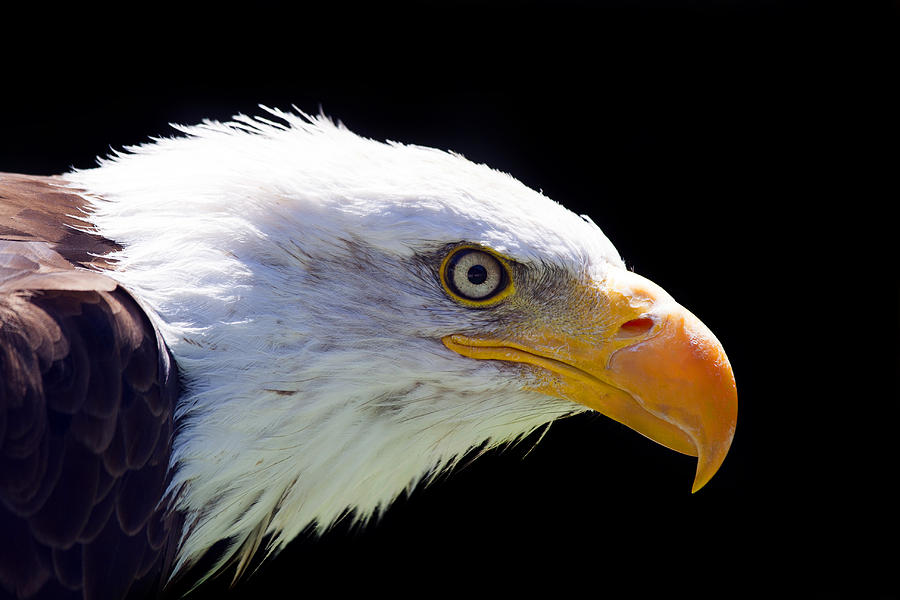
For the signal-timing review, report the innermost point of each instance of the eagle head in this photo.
(351, 317)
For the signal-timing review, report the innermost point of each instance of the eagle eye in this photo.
(476, 277)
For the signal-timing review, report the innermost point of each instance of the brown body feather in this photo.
(87, 393)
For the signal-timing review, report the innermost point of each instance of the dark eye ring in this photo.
(476, 277)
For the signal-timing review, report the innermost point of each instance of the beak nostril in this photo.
(635, 327)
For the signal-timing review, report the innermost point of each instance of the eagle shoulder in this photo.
(87, 395)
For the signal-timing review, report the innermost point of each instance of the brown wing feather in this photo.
(44, 209)
(87, 393)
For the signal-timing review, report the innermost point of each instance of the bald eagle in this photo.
(255, 327)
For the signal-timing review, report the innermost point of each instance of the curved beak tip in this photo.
(713, 450)
(707, 468)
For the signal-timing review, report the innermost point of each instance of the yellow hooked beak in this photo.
(638, 357)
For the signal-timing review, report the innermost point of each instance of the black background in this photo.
(737, 153)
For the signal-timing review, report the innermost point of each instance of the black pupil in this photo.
(477, 274)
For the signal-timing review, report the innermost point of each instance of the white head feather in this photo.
(289, 268)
